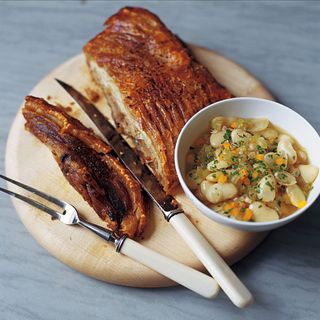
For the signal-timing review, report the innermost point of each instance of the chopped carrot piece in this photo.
(233, 204)
(227, 145)
(259, 156)
(234, 212)
(222, 178)
(255, 174)
(229, 206)
(247, 214)
(279, 161)
(236, 151)
(233, 125)
(243, 172)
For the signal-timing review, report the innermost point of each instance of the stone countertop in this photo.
(276, 41)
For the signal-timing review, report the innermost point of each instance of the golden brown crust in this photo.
(159, 80)
(87, 164)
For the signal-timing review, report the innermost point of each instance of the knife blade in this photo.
(217, 267)
(128, 157)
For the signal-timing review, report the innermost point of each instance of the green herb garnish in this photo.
(270, 185)
(227, 135)
(260, 149)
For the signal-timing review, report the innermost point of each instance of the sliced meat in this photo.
(87, 164)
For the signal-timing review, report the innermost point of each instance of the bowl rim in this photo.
(210, 212)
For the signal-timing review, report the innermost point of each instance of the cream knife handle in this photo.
(180, 273)
(216, 266)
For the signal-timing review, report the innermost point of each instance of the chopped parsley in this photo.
(260, 149)
(234, 159)
(270, 185)
(257, 189)
(227, 135)
(282, 176)
(234, 173)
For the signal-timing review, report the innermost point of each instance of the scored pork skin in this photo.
(152, 83)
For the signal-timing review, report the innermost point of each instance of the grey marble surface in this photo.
(279, 42)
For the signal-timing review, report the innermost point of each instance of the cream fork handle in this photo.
(216, 266)
(180, 273)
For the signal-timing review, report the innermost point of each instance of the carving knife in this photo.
(217, 267)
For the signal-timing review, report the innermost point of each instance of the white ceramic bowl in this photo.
(279, 115)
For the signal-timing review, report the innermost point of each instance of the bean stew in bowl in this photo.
(248, 170)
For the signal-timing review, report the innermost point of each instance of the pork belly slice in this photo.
(87, 164)
(152, 83)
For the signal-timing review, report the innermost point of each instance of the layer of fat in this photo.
(126, 119)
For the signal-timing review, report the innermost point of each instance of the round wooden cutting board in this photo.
(29, 161)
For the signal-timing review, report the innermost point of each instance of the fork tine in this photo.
(35, 191)
(34, 203)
